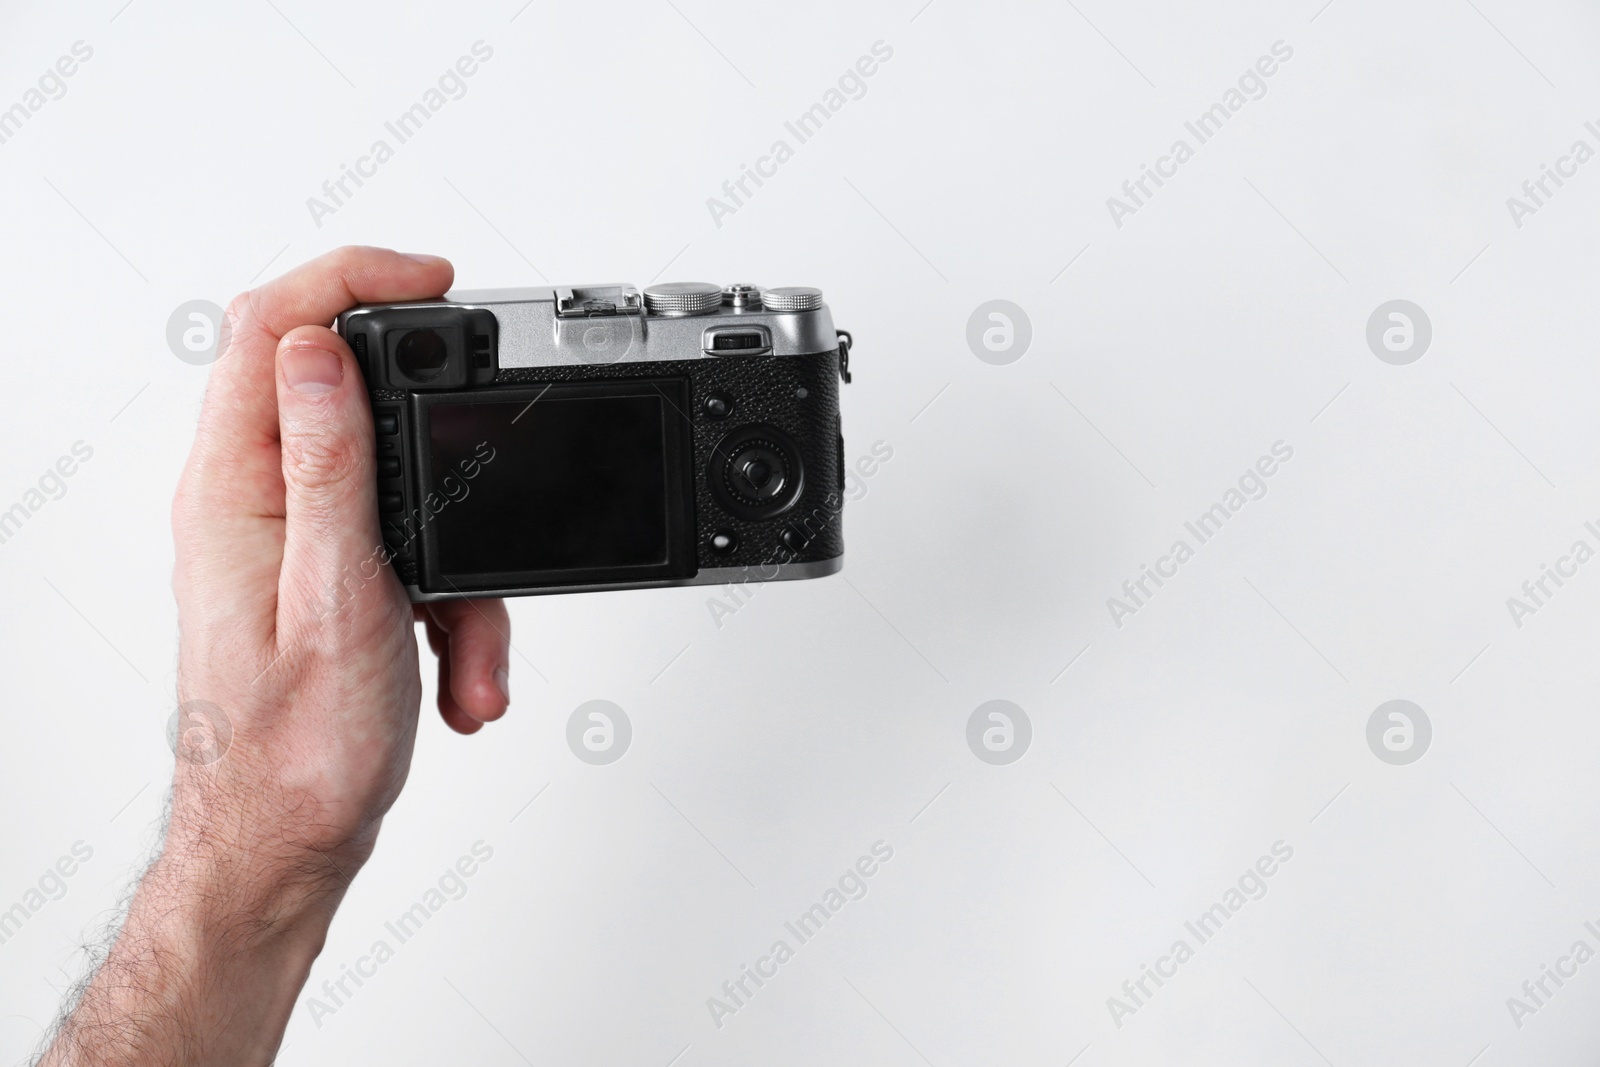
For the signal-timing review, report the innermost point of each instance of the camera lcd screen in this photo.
(559, 483)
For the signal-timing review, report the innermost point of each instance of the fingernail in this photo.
(312, 371)
(423, 257)
(503, 680)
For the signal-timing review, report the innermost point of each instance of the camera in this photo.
(571, 439)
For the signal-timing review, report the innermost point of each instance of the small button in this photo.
(724, 542)
(794, 540)
(717, 405)
(388, 466)
(388, 423)
(758, 473)
(742, 295)
(391, 502)
(396, 540)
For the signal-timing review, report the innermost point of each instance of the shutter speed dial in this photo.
(683, 298)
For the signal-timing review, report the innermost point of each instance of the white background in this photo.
(1230, 713)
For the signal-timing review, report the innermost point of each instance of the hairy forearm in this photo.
(216, 946)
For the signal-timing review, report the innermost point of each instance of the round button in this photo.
(717, 405)
(756, 472)
(683, 298)
(741, 295)
(723, 542)
(792, 298)
(794, 540)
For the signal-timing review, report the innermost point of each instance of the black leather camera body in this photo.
(581, 438)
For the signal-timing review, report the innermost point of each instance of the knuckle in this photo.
(240, 309)
(310, 332)
(194, 501)
(318, 461)
(348, 258)
(242, 316)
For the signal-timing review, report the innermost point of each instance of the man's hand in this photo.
(297, 641)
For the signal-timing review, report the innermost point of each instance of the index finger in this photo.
(313, 293)
(240, 417)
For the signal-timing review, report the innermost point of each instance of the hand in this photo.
(294, 635)
(288, 623)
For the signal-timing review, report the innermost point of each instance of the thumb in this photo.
(331, 539)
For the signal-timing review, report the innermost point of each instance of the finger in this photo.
(330, 509)
(461, 722)
(449, 710)
(317, 291)
(480, 647)
(238, 423)
(438, 640)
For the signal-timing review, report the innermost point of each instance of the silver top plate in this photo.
(570, 326)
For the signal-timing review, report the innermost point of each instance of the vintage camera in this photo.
(595, 437)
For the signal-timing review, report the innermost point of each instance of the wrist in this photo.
(246, 890)
(245, 824)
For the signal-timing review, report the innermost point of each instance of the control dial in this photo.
(756, 472)
(792, 298)
(683, 298)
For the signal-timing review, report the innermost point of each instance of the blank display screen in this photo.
(583, 482)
